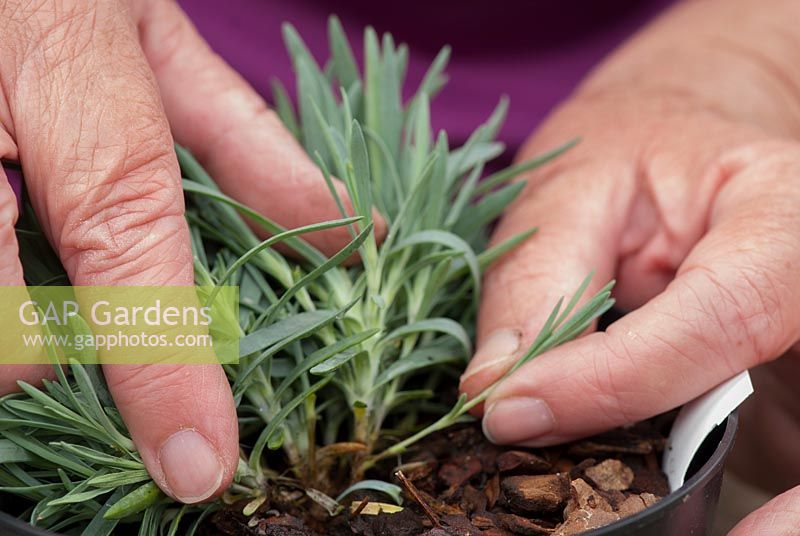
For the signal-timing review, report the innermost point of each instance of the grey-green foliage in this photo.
(329, 353)
(417, 290)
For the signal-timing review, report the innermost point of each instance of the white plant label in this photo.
(696, 420)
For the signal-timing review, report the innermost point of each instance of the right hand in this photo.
(685, 189)
(88, 92)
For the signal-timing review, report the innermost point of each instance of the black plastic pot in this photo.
(688, 511)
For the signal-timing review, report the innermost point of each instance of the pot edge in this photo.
(706, 472)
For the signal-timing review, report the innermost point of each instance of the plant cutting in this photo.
(343, 370)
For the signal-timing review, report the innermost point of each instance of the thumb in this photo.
(99, 163)
(779, 517)
(521, 289)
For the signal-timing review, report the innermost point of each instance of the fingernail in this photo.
(514, 420)
(191, 466)
(498, 347)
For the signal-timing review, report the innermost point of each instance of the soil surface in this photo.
(457, 483)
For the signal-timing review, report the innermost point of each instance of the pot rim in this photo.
(706, 472)
(697, 482)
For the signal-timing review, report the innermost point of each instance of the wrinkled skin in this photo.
(88, 91)
(686, 189)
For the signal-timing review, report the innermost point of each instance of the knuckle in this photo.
(177, 390)
(126, 224)
(172, 35)
(745, 306)
(507, 287)
(10, 271)
(46, 37)
(155, 380)
(608, 380)
(78, 63)
(255, 115)
(759, 163)
(151, 386)
(8, 209)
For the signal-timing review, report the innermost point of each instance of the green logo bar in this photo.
(119, 325)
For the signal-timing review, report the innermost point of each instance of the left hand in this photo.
(779, 517)
(89, 93)
(771, 425)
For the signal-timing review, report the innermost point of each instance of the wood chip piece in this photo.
(582, 520)
(619, 441)
(632, 505)
(520, 462)
(497, 532)
(492, 491)
(610, 475)
(524, 526)
(458, 472)
(418, 470)
(585, 496)
(375, 508)
(636, 503)
(649, 499)
(536, 494)
(645, 480)
(461, 526)
(587, 509)
(472, 501)
(484, 521)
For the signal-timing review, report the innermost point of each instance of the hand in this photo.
(696, 218)
(779, 517)
(88, 92)
(685, 189)
(770, 426)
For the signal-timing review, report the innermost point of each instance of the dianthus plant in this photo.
(341, 367)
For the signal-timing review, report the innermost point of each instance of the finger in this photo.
(770, 413)
(10, 267)
(779, 517)
(11, 275)
(618, 209)
(521, 289)
(104, 181)
(732, 306)
(229, 127)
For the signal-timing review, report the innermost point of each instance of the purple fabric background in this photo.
(15, 180)
(535, 51)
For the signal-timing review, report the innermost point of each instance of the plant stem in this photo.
(560, 327)
(444, 422)
(311, 428)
